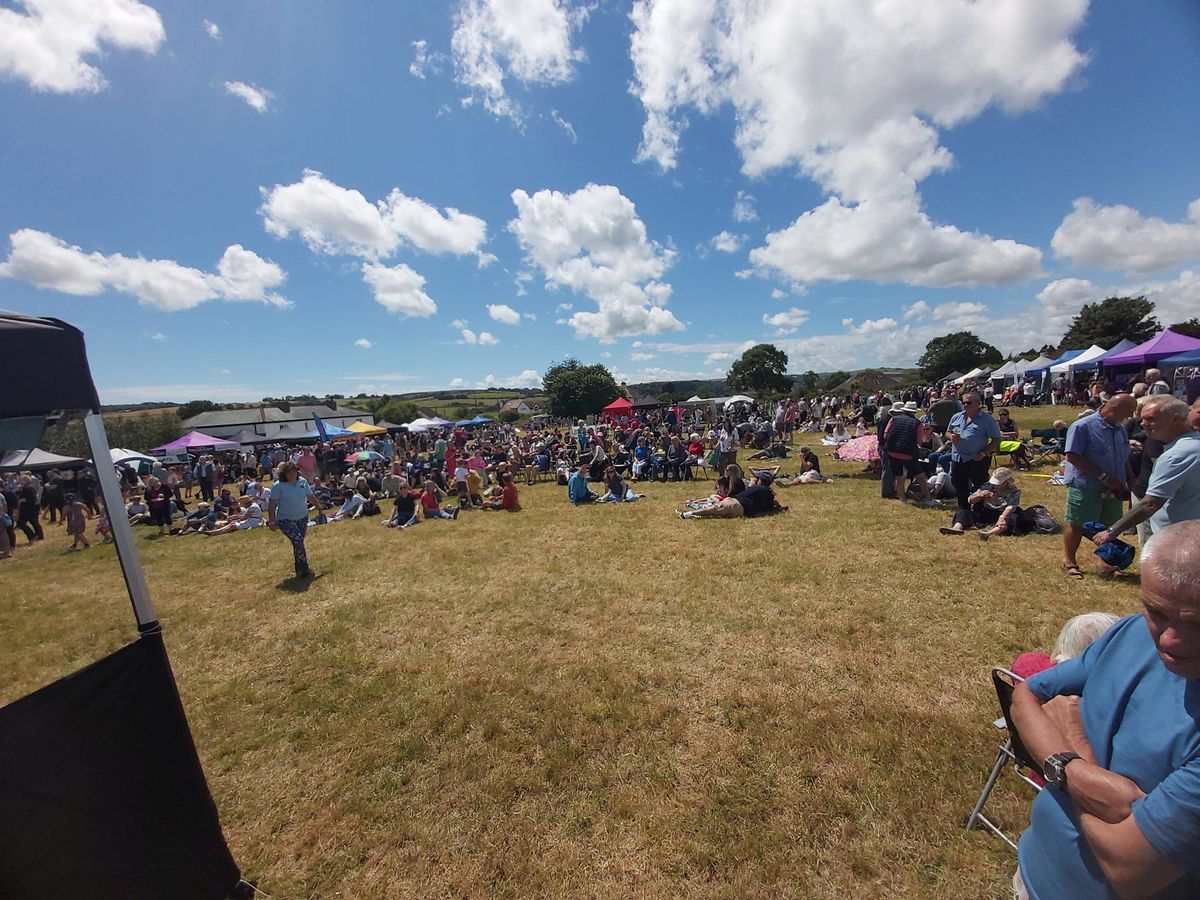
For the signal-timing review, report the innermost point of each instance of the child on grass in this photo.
(77, 522)
(431, 499)
(103, 528)
(474, 488)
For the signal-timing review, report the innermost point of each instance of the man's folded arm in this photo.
(1130, 863)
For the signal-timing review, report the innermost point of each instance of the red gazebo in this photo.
(619, 407)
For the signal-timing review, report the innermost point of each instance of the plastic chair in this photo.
(1011, 752)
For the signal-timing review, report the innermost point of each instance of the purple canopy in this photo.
(197, 440)
(1165, 344)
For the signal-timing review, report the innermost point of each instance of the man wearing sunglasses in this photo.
(974, 436)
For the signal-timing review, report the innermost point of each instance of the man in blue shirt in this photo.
(1173, 492)
(1097, 449)
(1117, 730)
(974, 436)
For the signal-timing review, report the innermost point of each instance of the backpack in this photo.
(1039, 520)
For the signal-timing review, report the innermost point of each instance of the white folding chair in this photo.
(1011, 753)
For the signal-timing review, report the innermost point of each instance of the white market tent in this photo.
(1093, 352)
(974, 373)
(1004, 371)
(1091, 364)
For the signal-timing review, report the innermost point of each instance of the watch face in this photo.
(1053, 770)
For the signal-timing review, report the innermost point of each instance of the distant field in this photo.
(596, 702)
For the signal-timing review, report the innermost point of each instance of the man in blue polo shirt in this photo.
(1118, 733)
(1097, 449)
(974, 436)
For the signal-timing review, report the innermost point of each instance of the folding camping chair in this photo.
(1011, 752)
(1051, 449)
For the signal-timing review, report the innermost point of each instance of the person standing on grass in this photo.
(288, 512)
(1173, 491)
(28, 509)
(6, 545)
(75, 515)
(974, 436)
(1116, 732)
(1097, 472)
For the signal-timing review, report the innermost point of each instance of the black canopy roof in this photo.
(55, 351)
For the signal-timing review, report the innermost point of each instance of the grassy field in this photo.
(484, 401)
(602, 701)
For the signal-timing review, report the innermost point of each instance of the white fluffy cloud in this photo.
(888, 241)
(457, 383)
(526, 40)
(640, 356)
(593, 242)
(212, 29)
(258, 99)
(869, 326)
(364, 344)
(504, 313)
(487, 339)
(1121, 238)
(158, 336)
(1174, 301)
(333, 219)
(868, 137)
(399, 289)
(46, 43)
(788, 321)
(529, 378)
(48, 262)
(727, 242)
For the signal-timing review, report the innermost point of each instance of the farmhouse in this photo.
(522, 407)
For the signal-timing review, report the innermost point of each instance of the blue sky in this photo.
(236, 200)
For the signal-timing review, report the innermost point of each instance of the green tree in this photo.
(509, 416)
(960, 351)
(1109, 321)
(1191, 327)
(575, 390)
(396, 411)
(760, 371)
(194, 408)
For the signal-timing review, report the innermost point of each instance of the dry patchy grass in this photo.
(600, 701)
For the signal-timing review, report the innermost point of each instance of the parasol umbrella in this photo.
(365, 456)
(864, 449)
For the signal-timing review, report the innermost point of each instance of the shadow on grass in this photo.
(297, 584)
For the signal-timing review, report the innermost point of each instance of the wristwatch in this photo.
(1054, 769)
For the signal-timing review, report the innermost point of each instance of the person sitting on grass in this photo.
(508, 496)
(250, 516)
(198, 520)
(136, 510)
(431, 503)
(475, 488)
(357, 504)
(619, 490)
(577, 488)
(756, 500)
(406, 509)
(997, 504)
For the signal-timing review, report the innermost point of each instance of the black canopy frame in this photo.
(102, 788)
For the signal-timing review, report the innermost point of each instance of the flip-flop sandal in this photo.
(946, 529)
(1072, 572)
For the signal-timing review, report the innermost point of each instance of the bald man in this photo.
(1097, 474)
(1119, 741)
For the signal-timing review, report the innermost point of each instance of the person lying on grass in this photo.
(995, 504)
(777, 450)
(250, 516)
(756, 500)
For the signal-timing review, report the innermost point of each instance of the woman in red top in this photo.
(508, 496)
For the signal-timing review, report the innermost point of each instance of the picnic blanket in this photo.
(864, 449)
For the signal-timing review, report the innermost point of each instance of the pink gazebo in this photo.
(196, 442)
